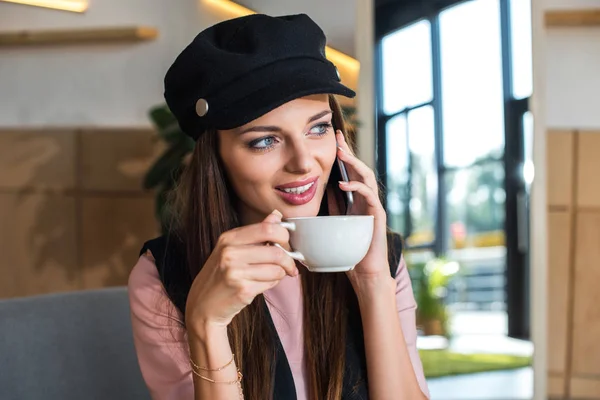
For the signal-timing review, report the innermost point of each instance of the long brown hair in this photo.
(206, 208)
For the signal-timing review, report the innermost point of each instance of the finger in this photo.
(253, 254)
(359, 170)
(264, 272)
(267, 231)
(370, 197)
(341, 141)
(274, 217)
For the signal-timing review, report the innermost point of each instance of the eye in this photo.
(321, 129)
(262, 143)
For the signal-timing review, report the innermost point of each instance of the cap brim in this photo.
(267, 98)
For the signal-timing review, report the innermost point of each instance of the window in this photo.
(520, 15)
(409, 83)
(442, 120)
(454, 134)
(471, 65)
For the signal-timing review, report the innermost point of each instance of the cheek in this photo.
(248, 174)
(326, 156)
(245, 171)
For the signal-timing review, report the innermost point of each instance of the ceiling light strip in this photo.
(65, 5)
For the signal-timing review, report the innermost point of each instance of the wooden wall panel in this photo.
(588, 165)
(586, 327)
(72, 210)
(560, 167)
(556, 387)
(37, 159)
(574, 274)
(117, 159)
(113, 231)
(585, 388)
(37, 244)
(559, 239)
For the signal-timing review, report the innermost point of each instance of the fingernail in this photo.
(343, 182)
(276, 212)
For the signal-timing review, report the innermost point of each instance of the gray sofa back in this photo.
(75, 345)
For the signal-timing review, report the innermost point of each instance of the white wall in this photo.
(364, 39)
(109, 84)
(573, 81)
(572, 71)
(97, 85)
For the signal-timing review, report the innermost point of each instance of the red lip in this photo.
(298, 183)
(298, 199)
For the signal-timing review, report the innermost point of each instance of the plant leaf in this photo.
(162, 170)
(166, 124)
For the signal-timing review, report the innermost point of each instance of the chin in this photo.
(307, 210)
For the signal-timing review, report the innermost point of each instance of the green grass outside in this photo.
(438, 363)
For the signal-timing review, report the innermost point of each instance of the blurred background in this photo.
(480, 117)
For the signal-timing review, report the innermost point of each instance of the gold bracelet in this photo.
(209, 369)
(238, 380)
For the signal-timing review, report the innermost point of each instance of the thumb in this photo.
(274, 217)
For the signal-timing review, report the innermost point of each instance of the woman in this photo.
(216, 312)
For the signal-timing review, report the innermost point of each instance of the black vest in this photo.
(172, 268)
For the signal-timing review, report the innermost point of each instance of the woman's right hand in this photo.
(239, 268)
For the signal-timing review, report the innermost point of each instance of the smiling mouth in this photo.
(297, 190)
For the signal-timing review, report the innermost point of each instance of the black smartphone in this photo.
(344, 173)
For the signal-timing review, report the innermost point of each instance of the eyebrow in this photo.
(272, 128)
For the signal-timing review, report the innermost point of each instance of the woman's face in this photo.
(281, 160)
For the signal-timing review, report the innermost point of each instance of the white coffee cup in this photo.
(330, 243)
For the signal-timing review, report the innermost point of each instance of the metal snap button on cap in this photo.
(201, 107)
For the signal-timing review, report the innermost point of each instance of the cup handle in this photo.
(296, 255)
(290, 226)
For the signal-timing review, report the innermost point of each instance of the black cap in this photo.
(240, 69)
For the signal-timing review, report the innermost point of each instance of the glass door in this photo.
(454, 153)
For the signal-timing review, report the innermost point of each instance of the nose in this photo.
(300, 159)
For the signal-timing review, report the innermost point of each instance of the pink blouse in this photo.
(161, 342)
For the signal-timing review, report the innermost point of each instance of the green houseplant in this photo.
(166, 170)
(430, 280)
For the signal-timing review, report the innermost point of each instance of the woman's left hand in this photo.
(363, 184)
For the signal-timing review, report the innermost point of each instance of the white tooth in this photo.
(299, 190)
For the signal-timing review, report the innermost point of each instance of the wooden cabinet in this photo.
(573, 265)
(559, 237)
(560, 168)
(588, 166)
(586, 307)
